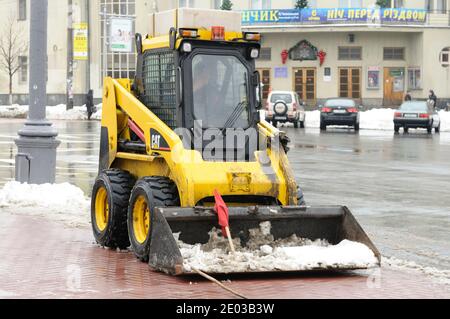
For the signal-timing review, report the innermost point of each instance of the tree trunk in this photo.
(10, 90)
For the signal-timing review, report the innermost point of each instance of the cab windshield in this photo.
(220, 91)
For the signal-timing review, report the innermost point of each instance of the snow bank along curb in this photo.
(374, 119)
(263, 253)
(58, 112)
(61, 202)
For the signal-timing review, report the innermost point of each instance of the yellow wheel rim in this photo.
(141, 219)
(101, 208)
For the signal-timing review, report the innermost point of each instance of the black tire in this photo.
(300, 197)
(396, 128)
(357, 127)
(112, 231)
(323, 127)
(438, 128)
(156, 191)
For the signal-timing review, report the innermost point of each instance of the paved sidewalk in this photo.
(45, 259)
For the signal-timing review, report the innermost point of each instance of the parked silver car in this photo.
(417, 114)
(285, 107)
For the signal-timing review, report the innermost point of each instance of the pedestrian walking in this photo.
(432, 98)
(408, 97)
(90, 103)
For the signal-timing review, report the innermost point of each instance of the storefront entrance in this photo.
(305, 84)
(394, 86)
(350, 83)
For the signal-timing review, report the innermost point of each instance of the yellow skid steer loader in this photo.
(187, 125)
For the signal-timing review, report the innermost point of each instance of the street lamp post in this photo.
(37, 143)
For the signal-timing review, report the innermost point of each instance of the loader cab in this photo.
(202, 82)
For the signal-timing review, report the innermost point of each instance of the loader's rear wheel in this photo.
(148, 193)
(109, 203)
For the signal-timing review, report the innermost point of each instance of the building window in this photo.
(117, 64)
(350, 4)
(350, 83)
(397, 3)
(441, 6)
(414, 79)
(349, 53)
(394, 53)
(444, 57)
(217, 4)
(187, 3)
(23, 69)
(265, 54)
(22, 4)
(261, 4)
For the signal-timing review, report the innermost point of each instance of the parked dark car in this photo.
(416, 114)
(343, 112)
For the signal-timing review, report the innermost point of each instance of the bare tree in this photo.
(13, 44)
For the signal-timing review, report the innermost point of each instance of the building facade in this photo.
(345, 48)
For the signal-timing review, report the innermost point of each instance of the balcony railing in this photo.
(333, 16)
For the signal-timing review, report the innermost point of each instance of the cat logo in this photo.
(158, 143)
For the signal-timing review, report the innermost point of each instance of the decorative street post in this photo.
(37, 143)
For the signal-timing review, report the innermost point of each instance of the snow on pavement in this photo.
(437, 275)
(57, 112)
(61, 202)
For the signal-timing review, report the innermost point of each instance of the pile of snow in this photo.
(62, 202)
(57, 112)
(263, 253)
(13, 111)
(445, 121)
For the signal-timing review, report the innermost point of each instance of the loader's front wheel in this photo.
(148, 193)
(109, 203)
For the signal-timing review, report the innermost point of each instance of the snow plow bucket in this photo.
(330, 239)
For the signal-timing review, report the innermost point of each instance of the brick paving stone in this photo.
(46, 259)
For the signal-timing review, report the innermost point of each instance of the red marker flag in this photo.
(222, 212)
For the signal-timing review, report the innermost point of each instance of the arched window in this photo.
(444, 57)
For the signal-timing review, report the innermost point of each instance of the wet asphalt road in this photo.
(398, 186)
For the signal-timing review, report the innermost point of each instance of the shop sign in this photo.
(80, 41)
(327, 75)
(335, 15)
(281, 72)
(373, 77)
